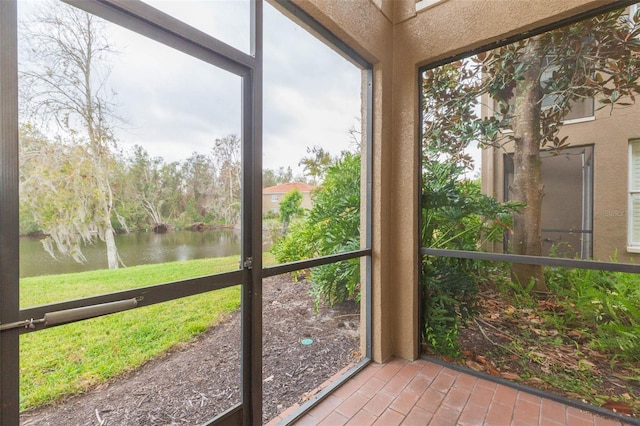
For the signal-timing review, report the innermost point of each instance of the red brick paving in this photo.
(423, 393)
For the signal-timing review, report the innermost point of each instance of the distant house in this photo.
(272, 195)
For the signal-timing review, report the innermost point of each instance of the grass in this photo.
(69, 359)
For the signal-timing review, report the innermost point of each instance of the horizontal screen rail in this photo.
(569, 231)
(144, 19)
(311, 263)
(144, 296)
(534, 260)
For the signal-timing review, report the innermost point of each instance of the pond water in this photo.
(137, 248)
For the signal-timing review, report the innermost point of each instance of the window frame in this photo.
(152, 23)
(632, 246)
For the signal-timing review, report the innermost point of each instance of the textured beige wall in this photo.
(610, 133)
(397, 42)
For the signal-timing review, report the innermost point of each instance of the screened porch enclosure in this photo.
(204, 79)
(432, 246)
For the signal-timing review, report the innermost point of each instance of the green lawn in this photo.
(68, 359)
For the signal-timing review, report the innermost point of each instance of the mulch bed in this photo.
(519, 345)
(201, 379)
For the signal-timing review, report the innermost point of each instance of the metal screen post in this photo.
(252, 227)
(369, 211)
(9, 243)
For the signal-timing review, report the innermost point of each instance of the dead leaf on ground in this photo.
(510, 376)
(481, 359)
(618, 407)
(474, 365)
(492, 370)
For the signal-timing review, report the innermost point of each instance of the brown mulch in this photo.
(521, 345)
(201, 379)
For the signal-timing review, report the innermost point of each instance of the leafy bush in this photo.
(332, 226)
(607, 304)
(455, 215)
(290, 206)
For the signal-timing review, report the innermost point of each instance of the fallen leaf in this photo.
(534, 381)
(505, 337)
(468, 354)
(493, 370)
(510, 376)
(545, 305)
(474, 365)
(481, 359)
(618, 407)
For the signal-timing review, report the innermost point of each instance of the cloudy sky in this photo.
(174, 104)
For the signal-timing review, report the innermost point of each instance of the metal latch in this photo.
(248, 263)
(75, 314)
(30, 323)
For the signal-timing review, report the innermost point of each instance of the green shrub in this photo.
(605, 303)
(332, 226)
(455, 215)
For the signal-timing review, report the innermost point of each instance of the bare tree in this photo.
(64, 89)
(227, 157)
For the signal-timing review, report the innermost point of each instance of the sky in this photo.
(174, 105)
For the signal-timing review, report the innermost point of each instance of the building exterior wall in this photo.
(271, 201)
(397, 41)
(610, 133)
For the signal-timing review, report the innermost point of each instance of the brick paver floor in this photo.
(423, 393)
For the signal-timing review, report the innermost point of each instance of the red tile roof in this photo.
(285, 188)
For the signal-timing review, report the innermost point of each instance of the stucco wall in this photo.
(271, 206)
(610, 133)
(397, 42)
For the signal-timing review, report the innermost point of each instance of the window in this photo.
(580, 110)
(634, 197)
(151, 27)
(426, 4)
(274, 198)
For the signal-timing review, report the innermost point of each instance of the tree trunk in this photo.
(112, 250)
(528, 187)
